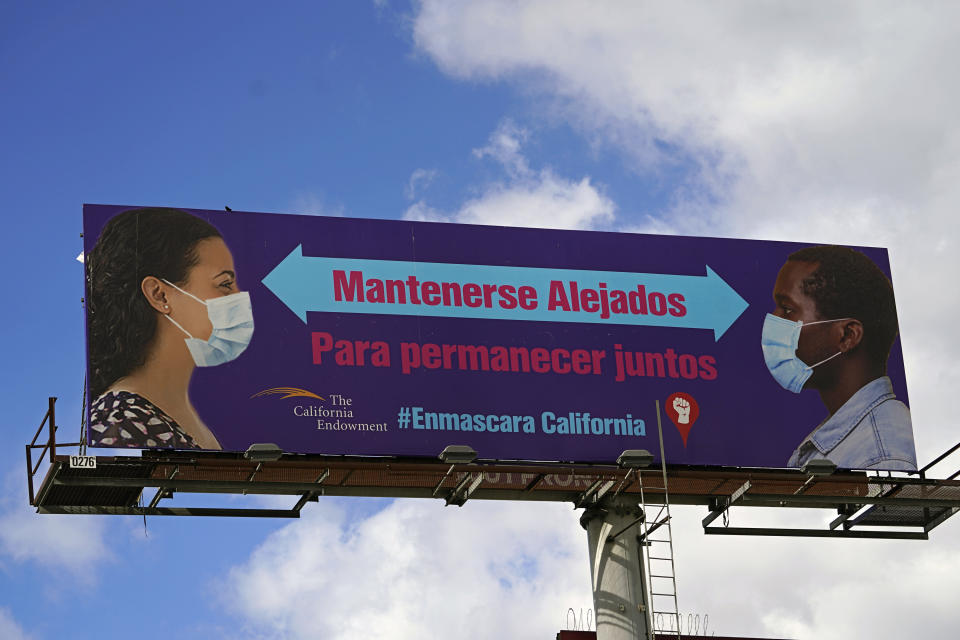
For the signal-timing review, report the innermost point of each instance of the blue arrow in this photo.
(305, 283)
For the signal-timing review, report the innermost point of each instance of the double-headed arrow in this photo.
(305, 283)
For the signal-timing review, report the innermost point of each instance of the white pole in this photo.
(616, 567)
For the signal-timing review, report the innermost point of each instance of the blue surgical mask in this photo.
(232, 320)
(779, 340)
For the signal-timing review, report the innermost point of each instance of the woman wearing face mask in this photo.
(162, 299)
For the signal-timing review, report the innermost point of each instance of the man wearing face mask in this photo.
(834, 324)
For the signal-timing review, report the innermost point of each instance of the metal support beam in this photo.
(533, 483)
(582, 499)
(191, 486)
(46, 487)
(443, 479)
(938, 520)
(308, 495)
(717, 509)
(162, 491)
(464, 489)
(118, 482)
(815, 533)
(806, 484)
(173, 511)
(29, 476)
(722, 503)
(605, 489)
(656, 525)
(845, 513)
(625, 483)
(808, 501)
(255, 472)
(53, 428)
(616, 534)
(595, 491)
(619, 597)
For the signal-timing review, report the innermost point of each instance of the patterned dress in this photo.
(122, 419)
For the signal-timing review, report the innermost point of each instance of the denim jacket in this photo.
(872, 430)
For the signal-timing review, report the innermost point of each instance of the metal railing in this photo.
(49, 421)
(943, 456)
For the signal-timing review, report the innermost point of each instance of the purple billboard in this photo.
(216, 330)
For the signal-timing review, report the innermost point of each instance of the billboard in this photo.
(216, 330)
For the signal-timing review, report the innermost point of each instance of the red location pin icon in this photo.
(683, 411)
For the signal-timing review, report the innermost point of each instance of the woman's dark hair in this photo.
(847, 284)
(120, 322)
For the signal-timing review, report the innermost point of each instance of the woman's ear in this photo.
(852, 335)
(156, 294)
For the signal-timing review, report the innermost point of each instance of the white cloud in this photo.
(420, 179)
(310, 203)
(505, 146)
(800, 121)
(527, 198)
(811, 587)
(60, 542)
(74, 543)
(9, 628)
(416, 570)
(502, 569)
(840, 93)
(547, 201)
(805, 121)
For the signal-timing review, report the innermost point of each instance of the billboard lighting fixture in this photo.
(819, 467)
(263, 452)
(458, 453)
(635, 459)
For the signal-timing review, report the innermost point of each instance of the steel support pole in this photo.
(617, 571)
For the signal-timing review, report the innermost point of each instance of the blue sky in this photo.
(787, 122)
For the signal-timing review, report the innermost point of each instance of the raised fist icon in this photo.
(682, 407)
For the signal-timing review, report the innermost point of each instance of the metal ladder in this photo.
(663, 613)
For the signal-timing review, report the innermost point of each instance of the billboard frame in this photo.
(869, 505)
(541, 428)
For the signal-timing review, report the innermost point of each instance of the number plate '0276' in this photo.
(83, 462)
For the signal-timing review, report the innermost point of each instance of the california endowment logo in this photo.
(287, 392)
(343, 408)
